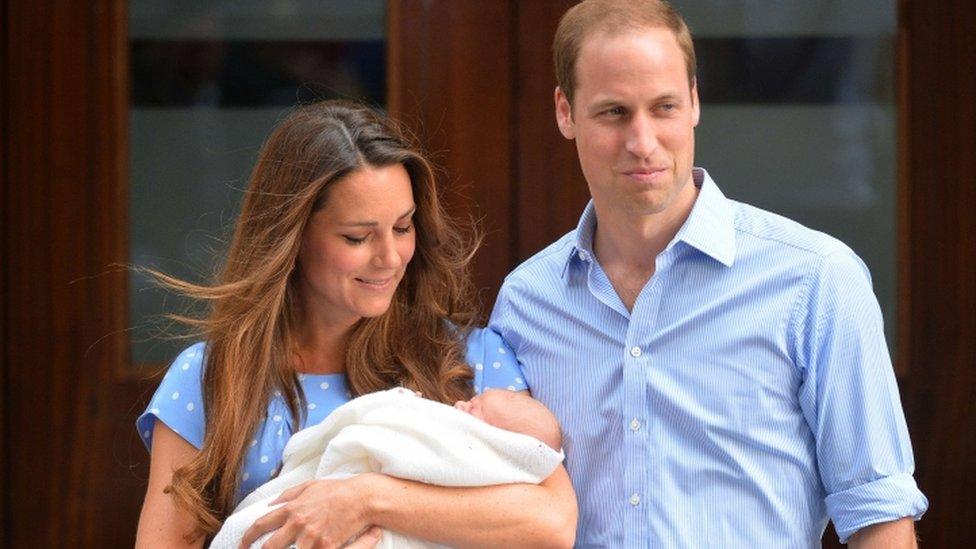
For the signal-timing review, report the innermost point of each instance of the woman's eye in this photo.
(403, 229)
(354, 239)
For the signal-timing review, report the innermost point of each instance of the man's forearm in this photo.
(897, 534)
(510, 515)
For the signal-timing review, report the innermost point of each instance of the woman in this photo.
(343, 277)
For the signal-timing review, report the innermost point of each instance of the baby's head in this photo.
(516, 412)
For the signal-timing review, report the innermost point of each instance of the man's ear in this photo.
(564, 114)
(695, 103)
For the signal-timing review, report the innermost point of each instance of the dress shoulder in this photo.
(178, 400)
(494, 362)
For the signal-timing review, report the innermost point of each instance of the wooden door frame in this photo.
(938, 236)
(67, 482)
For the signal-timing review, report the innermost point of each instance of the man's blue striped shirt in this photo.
(746, 398)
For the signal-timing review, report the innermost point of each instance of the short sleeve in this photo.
(850, 399)
(177, 401)
(494, 363)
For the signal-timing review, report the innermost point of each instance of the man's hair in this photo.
(613, 16)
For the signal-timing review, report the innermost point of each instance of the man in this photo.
(720, 373)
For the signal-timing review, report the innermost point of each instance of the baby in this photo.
(498, 437)
(515, 412)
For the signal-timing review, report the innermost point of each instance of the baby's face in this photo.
(475, 407)
(516, 412)
(489, 405)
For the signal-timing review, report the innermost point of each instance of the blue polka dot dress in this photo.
(178, 403)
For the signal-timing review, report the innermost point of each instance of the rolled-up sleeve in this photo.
(849, 397)
(882, 500)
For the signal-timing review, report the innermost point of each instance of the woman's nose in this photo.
(387, 255)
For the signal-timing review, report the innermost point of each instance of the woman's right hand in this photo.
(319, 513)
(161, 523)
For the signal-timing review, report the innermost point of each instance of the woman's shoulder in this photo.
(186, 370)
(178, 400)
(481, 340)
(190, 357)
(495, 364)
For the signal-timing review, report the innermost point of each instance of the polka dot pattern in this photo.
(486, 348)
(178, 398)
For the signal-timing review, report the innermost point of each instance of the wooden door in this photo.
(72, 468)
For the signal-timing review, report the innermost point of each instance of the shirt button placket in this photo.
(635, 371)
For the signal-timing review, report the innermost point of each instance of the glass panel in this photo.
(798, 117)
(209, 80)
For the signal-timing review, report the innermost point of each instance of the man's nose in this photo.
(641, 137)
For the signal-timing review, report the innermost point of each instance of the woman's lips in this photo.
(376, 283)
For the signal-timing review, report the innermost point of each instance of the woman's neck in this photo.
(320, 347)
(320, 361)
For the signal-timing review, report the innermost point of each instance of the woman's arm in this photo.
(161, 523)
(329, 513)
(513, 515)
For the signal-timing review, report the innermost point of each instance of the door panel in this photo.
(64, 81)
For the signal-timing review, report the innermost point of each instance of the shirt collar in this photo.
(582, 250)
(710, 227)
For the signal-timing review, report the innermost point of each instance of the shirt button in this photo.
(635, 500)
(583, 256)
(635, 352)
(634, 424)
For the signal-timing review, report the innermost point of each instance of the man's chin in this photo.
(651, 203)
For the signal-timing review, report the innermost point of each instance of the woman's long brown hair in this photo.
(249, 330)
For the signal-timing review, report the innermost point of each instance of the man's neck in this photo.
(627, 246)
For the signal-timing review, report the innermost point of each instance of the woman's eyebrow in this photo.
(375, 223)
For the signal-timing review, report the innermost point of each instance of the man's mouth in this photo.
(645, 174)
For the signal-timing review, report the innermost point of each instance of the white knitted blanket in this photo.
(396, 433)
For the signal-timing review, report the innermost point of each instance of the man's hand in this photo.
(897, 534)
(318, 514)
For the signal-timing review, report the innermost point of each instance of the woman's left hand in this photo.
(318, 514)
